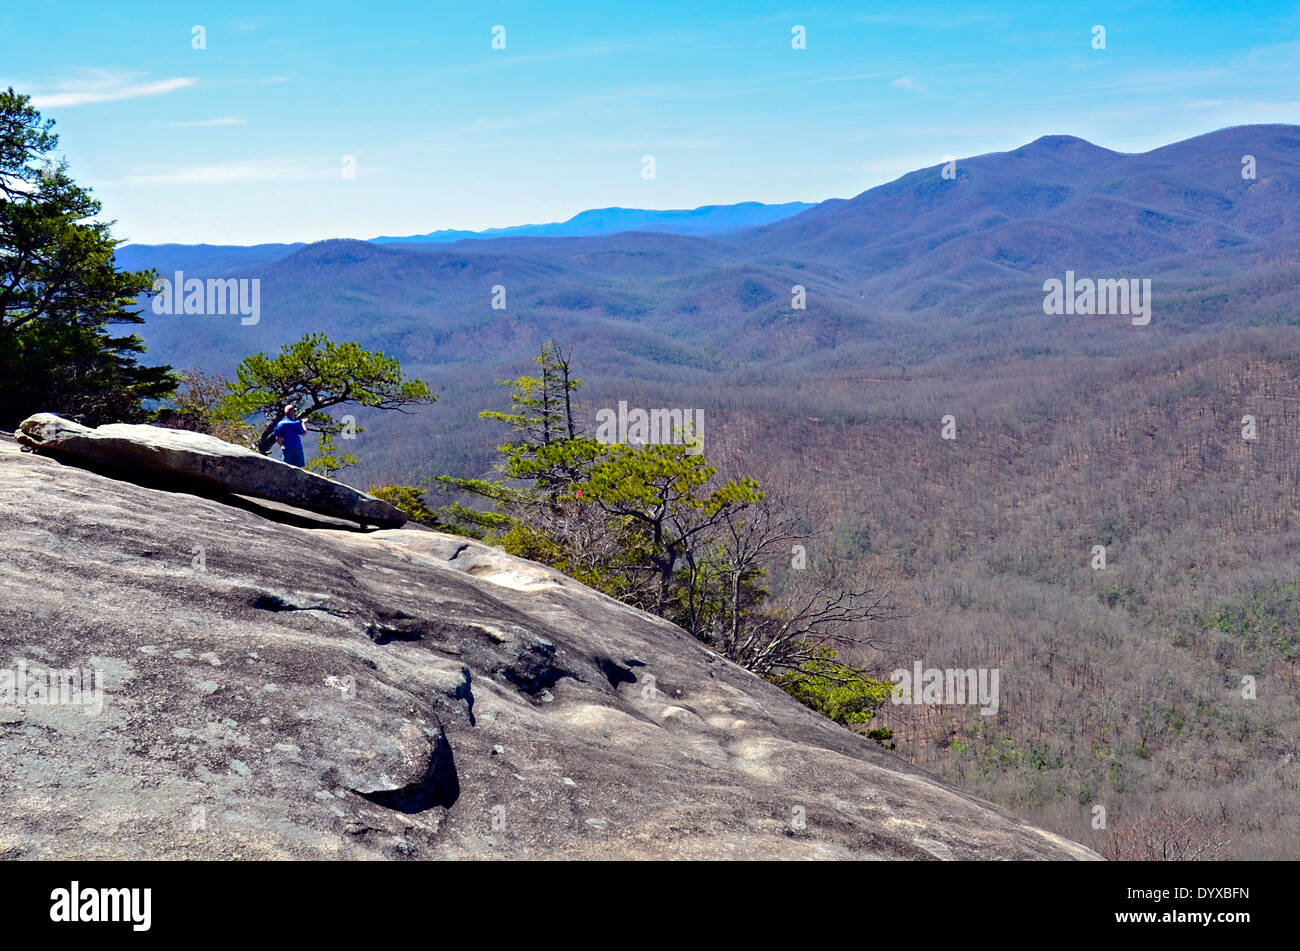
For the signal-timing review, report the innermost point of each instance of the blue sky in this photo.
(245, 141)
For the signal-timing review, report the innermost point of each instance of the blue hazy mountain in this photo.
(928, 267)
(705, 220)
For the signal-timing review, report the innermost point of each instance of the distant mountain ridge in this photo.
(705, 220)
(924, 270)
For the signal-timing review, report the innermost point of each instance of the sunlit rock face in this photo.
(267, 684)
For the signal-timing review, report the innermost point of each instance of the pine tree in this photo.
(539, 465)
(316, 374)
(60, 290)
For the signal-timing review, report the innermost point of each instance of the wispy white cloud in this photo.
(652, 144)
(249, 24)
(939, 17)
(239, 173)
(1246, 112)
(854, 77)
(908, 83)
(203, 123)
(104, 86)
(653, 42)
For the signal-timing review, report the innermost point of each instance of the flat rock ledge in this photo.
(194, 460)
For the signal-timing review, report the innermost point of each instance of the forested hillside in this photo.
(1122, 686)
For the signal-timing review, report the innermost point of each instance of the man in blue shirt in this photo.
(288, 433)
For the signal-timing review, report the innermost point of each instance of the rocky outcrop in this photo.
(277, 691)
(194, 460)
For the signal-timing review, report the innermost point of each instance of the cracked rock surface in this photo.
(278, 687)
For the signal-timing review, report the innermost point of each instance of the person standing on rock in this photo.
(288, 433)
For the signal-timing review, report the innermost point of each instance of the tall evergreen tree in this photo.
(60, 290)
(545, 455)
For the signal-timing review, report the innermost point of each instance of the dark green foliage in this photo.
(60, 291)
(845, 694)
(409, 500)
(315, 374)
(1261, 622)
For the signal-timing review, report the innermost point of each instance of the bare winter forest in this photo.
(1122, 686)
(1158, 692)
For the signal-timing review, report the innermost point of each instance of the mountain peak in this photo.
(1069, 147)
(339, 251)
(1058, 141)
